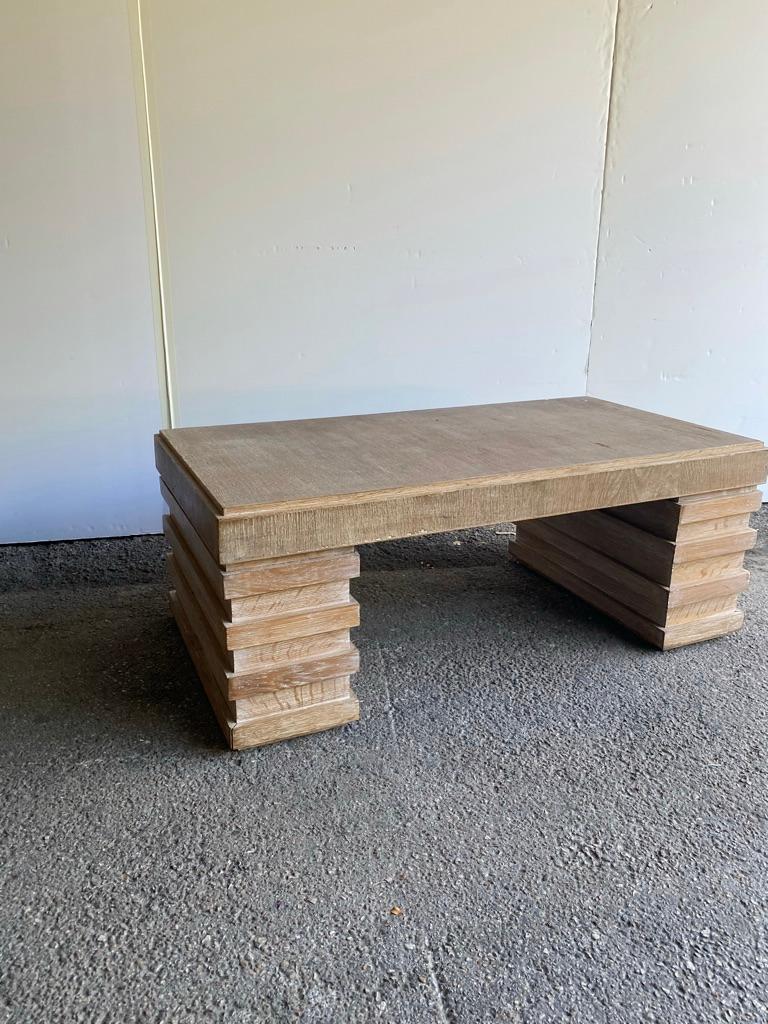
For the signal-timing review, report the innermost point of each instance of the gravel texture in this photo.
(538, 819)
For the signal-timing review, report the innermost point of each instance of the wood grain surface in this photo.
(244, 467)
(298, 714)
(670, 590)
(263, 490)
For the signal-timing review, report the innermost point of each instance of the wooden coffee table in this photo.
(643, 516)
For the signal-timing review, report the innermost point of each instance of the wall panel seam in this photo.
(154, 246)
(601, 204)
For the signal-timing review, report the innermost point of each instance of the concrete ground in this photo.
(573, 825)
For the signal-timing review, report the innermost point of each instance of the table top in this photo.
(261, 466)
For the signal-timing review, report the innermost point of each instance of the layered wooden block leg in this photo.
(269, 638)
(670, 571)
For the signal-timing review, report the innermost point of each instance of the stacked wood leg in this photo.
(670, 571)
(269, 638)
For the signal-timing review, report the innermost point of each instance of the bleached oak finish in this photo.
(628, 570)
(263, 575)
(234, 637)
(644, 516)
(295, 717)
(269, 489)
(275, 662)
(667, 518)
(272, 666)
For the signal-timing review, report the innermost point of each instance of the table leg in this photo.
(670, 571)
(270, 639)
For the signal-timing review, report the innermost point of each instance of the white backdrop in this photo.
(681, 305)
(366, 207)
(376, 206)
(79, 395)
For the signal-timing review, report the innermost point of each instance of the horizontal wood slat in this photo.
(665, 638)
(669, 591)
(270, 667)
(268, 632)
(644, 595)
(648, 554)
(665, 518)
(258, 605)
(282, 723)
(706, 568)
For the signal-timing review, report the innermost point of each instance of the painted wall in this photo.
(78, 386)
(681, 303)
(376, 206)
(367, 207)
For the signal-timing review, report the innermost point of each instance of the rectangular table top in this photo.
(263, 490)
(257, 466)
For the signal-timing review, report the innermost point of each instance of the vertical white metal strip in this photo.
(160, 308)
(606, 144)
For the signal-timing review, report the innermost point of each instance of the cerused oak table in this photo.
(643, 516)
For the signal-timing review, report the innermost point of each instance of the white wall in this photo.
(368, 206)
(681, 304)
(78, 386)
(380, 205)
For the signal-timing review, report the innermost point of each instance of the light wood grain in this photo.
(286, 725)
(701, 609)
(711, 498)
(273, 489)
(291, 699)
(648, 554)
(706, 568)
(236, 640)
(666, 518)
(553, 570)
(263, 604)
(629, 573)
(264, 658)
(273, 648)
(296, 663)
(678, 635)
(307, 622)
(649, 598)
(271, 574)
(695, 631)
(720, 544)
(279, 533)
(733, 581)
(699, 529)
(277, 602)
(262, 575)
(295, 673)
(272, 666)
(284, 722)
(258, 576)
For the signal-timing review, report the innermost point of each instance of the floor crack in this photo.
(390, 710)
(436, 987)
(388, 696)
